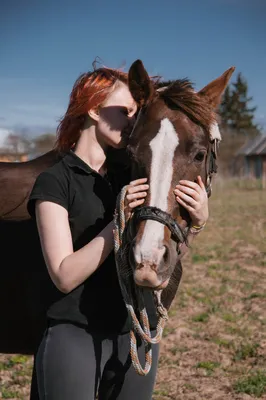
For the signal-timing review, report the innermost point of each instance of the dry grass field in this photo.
(214, 344)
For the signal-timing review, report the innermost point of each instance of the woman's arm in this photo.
(68, 269)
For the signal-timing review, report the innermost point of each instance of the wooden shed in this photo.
(254, 156)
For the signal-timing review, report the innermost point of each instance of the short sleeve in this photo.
(48, 187)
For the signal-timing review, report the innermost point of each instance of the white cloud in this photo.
(3, 135)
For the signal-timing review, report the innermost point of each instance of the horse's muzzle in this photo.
(147, 276)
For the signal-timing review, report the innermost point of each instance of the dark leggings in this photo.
(74, 364)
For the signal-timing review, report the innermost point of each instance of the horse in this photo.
(175, 137)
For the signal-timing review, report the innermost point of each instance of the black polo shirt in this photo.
(90, 201)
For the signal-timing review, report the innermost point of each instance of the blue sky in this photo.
(45, 45)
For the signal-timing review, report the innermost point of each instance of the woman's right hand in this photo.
(136, 194)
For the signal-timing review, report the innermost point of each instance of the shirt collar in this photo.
(117, 160)
(74, 161)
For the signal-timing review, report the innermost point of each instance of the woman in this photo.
(85, 349)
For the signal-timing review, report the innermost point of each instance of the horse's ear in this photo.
(140, 85)
(214, 90)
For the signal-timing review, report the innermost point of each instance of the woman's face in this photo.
(117, 117)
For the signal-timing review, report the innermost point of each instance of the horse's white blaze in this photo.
(163, 147)
(215, 132)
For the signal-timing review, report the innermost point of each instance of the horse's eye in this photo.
(199, 157)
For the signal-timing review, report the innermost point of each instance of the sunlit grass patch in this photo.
(178, 349)
(159, 393)
(208, 366)
(14, 360)
(229, 317)
(246, 350)
(253, 384)
(168, 331)
(202, 317)
(223, 342)
(172, 313)
(200, 258)
(165, 360)
(255, 295)
(237, 331)
(7, 393)
(190, 387)
(181, 302)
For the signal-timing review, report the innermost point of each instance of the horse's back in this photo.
(16, 182)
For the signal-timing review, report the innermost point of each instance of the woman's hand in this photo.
(193, 197)
(136, 193)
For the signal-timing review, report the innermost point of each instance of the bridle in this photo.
(211, 163)
(148, 212)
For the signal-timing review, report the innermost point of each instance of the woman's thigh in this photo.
(68, 364)
(120, 381)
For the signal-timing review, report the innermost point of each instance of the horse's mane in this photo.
(180, 94)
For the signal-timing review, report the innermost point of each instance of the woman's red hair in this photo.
(89, 91)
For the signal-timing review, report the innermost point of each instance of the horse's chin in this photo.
(146, 277)
(163, 285)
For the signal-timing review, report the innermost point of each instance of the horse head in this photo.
(175, 137)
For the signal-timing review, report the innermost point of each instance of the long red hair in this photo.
(89, 91)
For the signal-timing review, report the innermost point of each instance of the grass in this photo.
(245, 351)
(208, 366)
(222, 342)
(220, 304)
(253, 384)
(214, 344)
(202, 317)
(9, 394)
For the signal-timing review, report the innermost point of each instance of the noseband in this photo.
(148, 212)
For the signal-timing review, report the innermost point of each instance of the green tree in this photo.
(235, 111)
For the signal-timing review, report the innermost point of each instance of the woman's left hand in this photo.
(193, 197)
(136, 194)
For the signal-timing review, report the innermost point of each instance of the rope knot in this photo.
(162, 312)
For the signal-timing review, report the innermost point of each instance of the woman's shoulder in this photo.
(57, 171)
(52, 184)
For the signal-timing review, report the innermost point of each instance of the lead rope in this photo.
(128, 287)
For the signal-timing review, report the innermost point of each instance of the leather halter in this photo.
(155, 214)
(211, 164)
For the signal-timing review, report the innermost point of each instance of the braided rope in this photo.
(131, 291)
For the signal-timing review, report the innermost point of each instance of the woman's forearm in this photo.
(80, 265)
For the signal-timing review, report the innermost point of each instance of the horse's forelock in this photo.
(181, 95)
